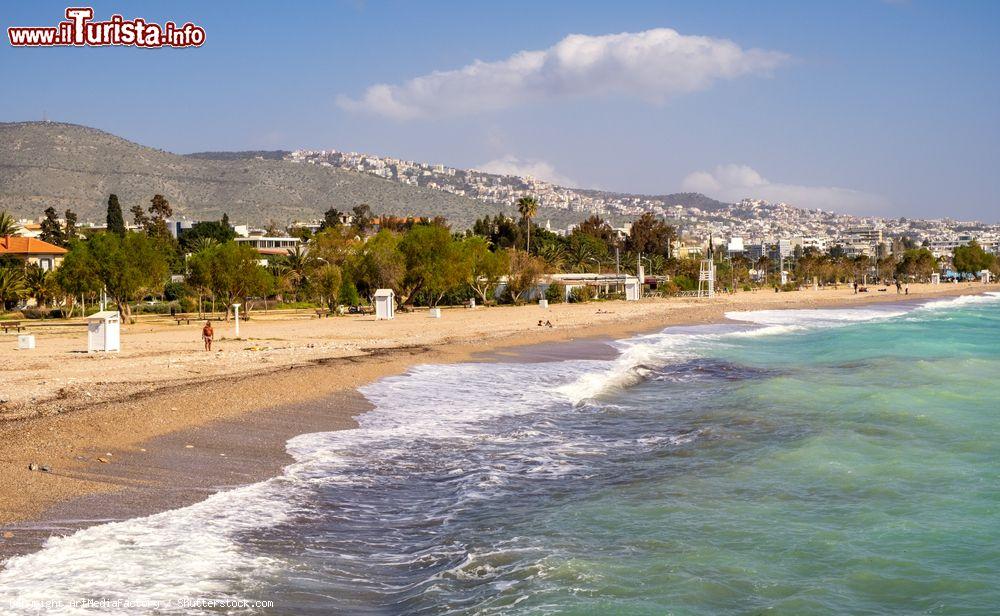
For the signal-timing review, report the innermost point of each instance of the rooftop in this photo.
(16, 245)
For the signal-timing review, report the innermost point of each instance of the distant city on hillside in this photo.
(699, 218)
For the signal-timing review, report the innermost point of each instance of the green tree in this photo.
(12, 287)
(199, 271)
(236, 274)
(651, 235)
(348, 295)
(362, 218)
(332, 219)
(216, 230)
(39, 284)
(524, 273)
(159, 212)
(971, 258)
(527, 207)
(76, 276)
(115, 220)
(7, 224)
(918, 263)
(69, 231)
(598, 228)
(485, 267)
(52, 230)
(327, 284)
(378, 264)
(126, 266)
(431, 261)
(585, 252)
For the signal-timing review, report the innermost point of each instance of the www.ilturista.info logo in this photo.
(80, 31)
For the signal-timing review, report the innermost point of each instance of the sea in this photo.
(827, 461)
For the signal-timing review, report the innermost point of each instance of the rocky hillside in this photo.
(71, 166)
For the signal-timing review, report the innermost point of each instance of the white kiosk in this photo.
(935, 278)
(632, 289)
(385, 304)
(104, 331)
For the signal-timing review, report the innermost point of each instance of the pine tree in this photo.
(159, 211)
(69, 231)
(115, 220)
(52, 231)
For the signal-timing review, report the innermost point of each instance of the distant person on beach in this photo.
(207, 333)
(855, 287)
(899, 287)
(907, 288)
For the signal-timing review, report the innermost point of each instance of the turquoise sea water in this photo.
(801, 462)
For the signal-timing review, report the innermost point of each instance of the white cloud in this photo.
(732, 183)
(539, 169)
(652, 66)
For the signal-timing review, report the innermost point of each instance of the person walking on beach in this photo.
(207, 333)
(855, 287)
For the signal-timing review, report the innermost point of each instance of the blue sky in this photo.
(868, 106)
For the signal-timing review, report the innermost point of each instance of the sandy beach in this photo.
(163, 423)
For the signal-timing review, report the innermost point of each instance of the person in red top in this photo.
(207, 334)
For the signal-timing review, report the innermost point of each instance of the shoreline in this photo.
(178, 444)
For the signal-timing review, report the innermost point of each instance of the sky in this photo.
(877, 107)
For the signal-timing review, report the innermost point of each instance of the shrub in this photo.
(173, 291)
(555, 293)
(581, 294)
(685, 283)
(188, 304)
(159, 308)
(348, 295)
(36, 312)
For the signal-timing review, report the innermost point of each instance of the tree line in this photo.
(500, 259)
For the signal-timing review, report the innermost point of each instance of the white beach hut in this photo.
(104, 331)
(385, 304)
(632, 289)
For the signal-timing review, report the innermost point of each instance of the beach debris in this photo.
(32, 467)
(189, 447)
(102, 460)
(7, 534)
(173, 408)
(45, 468)
(142, 449)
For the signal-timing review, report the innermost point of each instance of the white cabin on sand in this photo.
(385, 304)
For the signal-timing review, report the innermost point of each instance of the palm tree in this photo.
(553, 254)
(37, 284)
(203, 243)
(7, 224)
(11, 285)
(580, 255)
(527, 207)
(300, 264)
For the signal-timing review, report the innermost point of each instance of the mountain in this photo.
(70, 166)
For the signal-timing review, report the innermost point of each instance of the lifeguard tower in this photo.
(706, 279)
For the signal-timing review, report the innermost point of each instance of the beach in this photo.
(163, 424)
